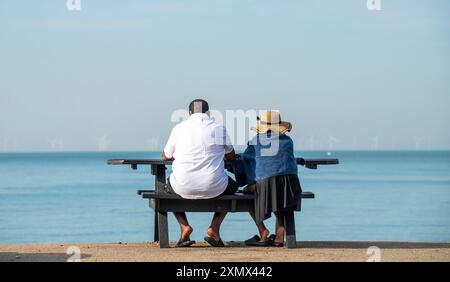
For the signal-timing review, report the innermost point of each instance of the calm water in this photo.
(76, 197)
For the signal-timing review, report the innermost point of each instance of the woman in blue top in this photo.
(270, 154)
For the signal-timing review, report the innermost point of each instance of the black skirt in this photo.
(277, 193)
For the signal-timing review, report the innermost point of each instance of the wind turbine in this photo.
(103, 143)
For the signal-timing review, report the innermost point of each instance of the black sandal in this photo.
(213, 242)
(185, 244)
(273, 243)
(255, 242)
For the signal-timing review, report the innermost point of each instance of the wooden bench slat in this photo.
(308, 195)
(151, 194)
(309, 163)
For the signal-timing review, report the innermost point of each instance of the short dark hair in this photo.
(198, 106)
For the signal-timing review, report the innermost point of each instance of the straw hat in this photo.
(271, 120)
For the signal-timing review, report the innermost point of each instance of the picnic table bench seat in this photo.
(163, 202)
(238, 202)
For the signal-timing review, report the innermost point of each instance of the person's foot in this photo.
(186, 232)
(211, 233)
(274, 242)
(264, 235)
(279, 236)
(213, 238)
(249, 189)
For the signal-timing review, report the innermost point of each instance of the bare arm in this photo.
(164, 158)
(231, 155)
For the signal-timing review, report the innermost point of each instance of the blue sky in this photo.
(109, 76)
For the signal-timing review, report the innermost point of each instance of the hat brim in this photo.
(280, 128)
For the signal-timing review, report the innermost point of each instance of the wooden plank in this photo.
(155, 195)
(309, 163)
(233, 205)
(160, 179)
(151, 194)
(160, 219)
(302, 161)
(308, 195)
(163, 230)
(170, 205)
(289, 222)
(155, 227)
(138, 162)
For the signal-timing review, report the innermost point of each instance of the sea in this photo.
(370, 195)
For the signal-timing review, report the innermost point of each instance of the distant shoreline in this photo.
(233, 252)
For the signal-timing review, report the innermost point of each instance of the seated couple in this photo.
(199, 146)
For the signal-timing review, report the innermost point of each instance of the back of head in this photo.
(198, 106)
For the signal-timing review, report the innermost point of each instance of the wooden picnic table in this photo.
(163, 202)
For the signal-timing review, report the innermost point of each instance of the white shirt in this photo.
(198, 145)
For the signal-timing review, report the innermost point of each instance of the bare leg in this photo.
(279, 227)
(263, 231)
(185, 228)
(214, 228)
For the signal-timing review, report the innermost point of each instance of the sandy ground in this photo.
(234, 251)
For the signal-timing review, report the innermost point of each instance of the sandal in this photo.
(255, 241)
(273, 243)
(185, 244)
(213, 242)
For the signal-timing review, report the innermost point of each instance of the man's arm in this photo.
(230, 154)
(165, 158)
(169, 149)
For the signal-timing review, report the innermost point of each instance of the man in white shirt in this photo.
(198, 147)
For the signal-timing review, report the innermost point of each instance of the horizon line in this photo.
(154, 151)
